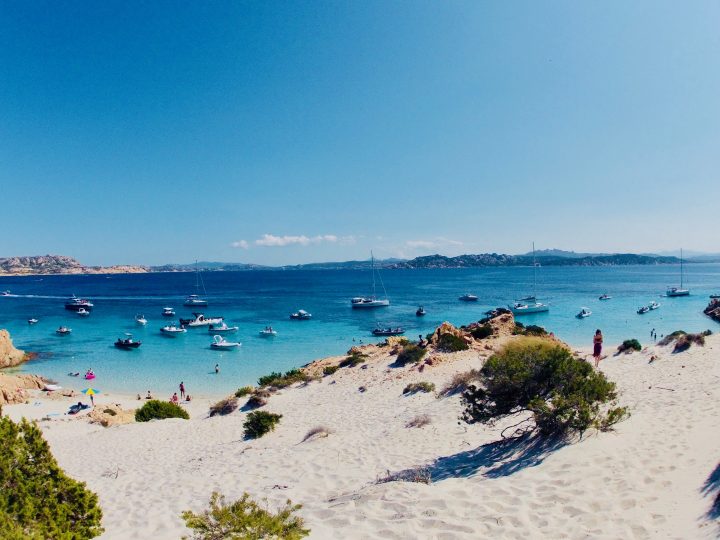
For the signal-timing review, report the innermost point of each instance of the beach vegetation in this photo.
(451, 343)
(317, 433)
(244, 391)
(460, 382)
(159, 410)
(628, 346)
(564, 394)
(683, 340)
(111, 412)
(258, 423)
(258, 398)
(244, 519)
(420, 475)
(355, 358)
(421, 420)
(529, 330)
(278, 380)
(410, 354)
(329, 370)
(37, 499)
(481, 331)
(224, 406)
(422, 386)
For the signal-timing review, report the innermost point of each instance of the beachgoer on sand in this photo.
(597, 346)
(182, 389)
(149, 395)
(174, 398)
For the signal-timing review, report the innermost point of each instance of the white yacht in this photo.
(530, 304)
(194, 300)
(678, 291)
(364, 302)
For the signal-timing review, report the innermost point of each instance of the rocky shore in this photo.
(59, 264)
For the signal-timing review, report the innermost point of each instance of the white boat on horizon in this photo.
(220, 343)
(194, 300)
(365, 302)
(678, 291)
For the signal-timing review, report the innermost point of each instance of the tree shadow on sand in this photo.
(496, 459)
(712, 487)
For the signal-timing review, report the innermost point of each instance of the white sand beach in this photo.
(645, 479)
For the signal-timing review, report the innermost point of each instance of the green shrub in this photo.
(410, 354)
(354, 359)
(482, 331)
(671, 337)
(258, 423)
(258, 398)
(244, 391)
(529, 330)
(563, 393)
(451, 343)
(244, 519)
(37, 499)
(683, 340)
(282, 381)
(158, 410)
(460, 382)
(224, 406)
(419, 387)
(629, 345)
(329, 370)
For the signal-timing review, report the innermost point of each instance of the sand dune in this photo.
(646, 479)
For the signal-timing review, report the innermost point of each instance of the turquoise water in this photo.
(252, 300)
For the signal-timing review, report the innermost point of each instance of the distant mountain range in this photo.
(494, 259)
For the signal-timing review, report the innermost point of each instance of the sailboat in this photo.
(529, 304)
(678, 291)
(194, 300)
(361, 302)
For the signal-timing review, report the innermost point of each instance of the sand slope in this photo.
(645, 480)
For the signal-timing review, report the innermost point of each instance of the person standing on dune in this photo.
(597, 346)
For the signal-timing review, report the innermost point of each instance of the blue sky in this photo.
(154, 132)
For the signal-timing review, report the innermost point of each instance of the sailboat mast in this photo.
(197, 278)
(534, 274)
(372, 271)
(681, 269)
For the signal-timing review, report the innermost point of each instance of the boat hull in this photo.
(679, 292)
(529, 310)
(78, 307)
(371, 304)
(128, 346)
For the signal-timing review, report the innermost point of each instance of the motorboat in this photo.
(522, 308)
(468, 298)
(140, 319)
(420, 312)
(678, 291)
(653, 306)
(194, 301)
(222, 328)
(76, 304)
(83, 312)
(63, 331)
(583, 313)
(220, 343)
(5, 293)
(172, 330)
(714, 296)
(268, 332)
(642, 310)
(201, 320)
(32, 321)
(168, 312)
(372, 301)
(604, 297)
(397, 331)
(127, 343)
(301, 315)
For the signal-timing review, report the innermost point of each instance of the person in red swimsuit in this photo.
(597, 346)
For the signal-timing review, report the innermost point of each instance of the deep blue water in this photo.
(252, 300)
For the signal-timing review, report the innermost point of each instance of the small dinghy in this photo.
(268, 332)
(301, 315)
(584, 312)
(32, 321)
(653, 306)
(127, 343)
(221, 344)
(173, 331)
(642, 310)
(420, 312)
(168, 312)
(468, 298)
(604, 297)
(222, 328)
(83, 312)
(63, 331)
(140, 319)
(397, 331)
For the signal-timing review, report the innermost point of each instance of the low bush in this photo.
(37, 499)
(244, 519)
(667, 340)
(329, 370)
(224, 406)
(279, 380)
(354, 359)
(258, 398)
(529, 330)
(244, 391)
(482, 331)
(258, 423)
(451, 343)
(563, 393)
(683, 340)
(420, 475)
(460, 382)
(629, 345)
(421, 420)
(159, 410)
(419, 387)
(410, 354)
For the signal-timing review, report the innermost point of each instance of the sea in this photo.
(254, 299)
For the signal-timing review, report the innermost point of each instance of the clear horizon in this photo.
(275, 133)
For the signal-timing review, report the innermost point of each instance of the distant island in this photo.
(60, 264)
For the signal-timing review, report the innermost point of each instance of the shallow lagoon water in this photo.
(252, 300)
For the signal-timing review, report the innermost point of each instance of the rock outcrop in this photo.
(111, 415)
(59, 264)
(713, 310)
(14, 388)
(9, 355)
